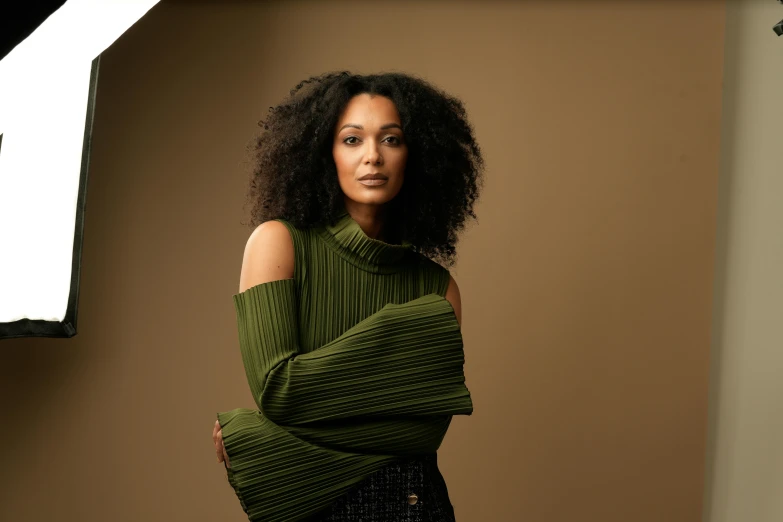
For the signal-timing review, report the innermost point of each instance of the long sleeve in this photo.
(405, 360)
(387, 387)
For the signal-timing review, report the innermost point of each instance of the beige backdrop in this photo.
(586, 287)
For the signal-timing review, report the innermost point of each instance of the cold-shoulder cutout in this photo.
(268, 256)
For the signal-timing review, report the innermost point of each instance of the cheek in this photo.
(343, 159)
(339, 161)
(400, 161)
(345, 171)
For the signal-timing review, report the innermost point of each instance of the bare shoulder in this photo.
(269, 255)
(453, 297)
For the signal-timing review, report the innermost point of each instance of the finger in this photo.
(215, 430)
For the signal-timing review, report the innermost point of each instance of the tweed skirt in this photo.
(407, 490)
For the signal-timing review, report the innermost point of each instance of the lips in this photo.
(373, 176)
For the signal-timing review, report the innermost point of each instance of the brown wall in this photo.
(586, 287)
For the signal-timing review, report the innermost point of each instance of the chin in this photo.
(377, 199)
(372, 196)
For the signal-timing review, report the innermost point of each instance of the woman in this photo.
(350, 331)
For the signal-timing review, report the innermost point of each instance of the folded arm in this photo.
(405, 360)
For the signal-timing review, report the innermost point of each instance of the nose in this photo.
(373, 154)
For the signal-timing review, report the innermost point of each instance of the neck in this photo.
(372, 219)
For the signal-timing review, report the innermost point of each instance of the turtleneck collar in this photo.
(348, 239)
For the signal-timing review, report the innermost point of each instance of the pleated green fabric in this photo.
(355, 362)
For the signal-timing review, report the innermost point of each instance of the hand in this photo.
(217, 438)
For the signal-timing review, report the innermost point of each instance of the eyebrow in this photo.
(384, 127)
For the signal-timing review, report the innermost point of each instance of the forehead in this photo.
(366, 108)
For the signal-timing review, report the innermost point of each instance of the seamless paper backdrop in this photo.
(600, 124)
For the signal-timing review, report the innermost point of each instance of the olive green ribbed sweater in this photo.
(356, 361)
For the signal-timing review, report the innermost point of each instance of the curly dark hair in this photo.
(294, 176)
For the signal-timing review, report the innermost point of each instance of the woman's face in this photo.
(368, 141)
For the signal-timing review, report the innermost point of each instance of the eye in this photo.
(394, 139)
(350, 138)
